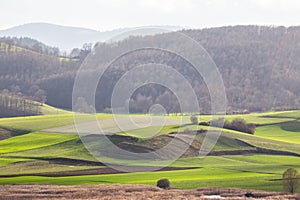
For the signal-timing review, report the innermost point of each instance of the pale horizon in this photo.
(116, 14)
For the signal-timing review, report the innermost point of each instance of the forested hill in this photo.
(260, 67)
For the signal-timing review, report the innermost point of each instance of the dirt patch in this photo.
(126, 192)
(257, 150)
(194, 146)
(63, 161)
(4, 134)
(7, 133)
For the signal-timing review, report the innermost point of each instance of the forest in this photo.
(259, 66)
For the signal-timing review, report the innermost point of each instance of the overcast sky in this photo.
(111, 14)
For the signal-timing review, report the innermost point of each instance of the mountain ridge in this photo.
(68, 37)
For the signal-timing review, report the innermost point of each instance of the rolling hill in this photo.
(65, 37)
(259, 66)
(61, 158)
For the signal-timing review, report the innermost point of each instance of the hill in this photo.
(64, 37)
(35, 156)
(13, 106)
(259, 66)
(28, 44)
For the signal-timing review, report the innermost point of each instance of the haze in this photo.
(110, 14)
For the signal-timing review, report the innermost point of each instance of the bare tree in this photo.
(291, 180)
(194, 120)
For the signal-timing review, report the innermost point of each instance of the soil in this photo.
(126, 192)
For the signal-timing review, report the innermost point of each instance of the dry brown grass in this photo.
(126, 192)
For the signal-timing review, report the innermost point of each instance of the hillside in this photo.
(65, 38)
(39, 156)
(259, 66)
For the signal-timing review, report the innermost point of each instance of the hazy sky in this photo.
(111, 14)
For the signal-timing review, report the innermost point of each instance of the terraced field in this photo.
(35, 154)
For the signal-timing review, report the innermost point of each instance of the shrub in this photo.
(194, 120)
(236, 124)
(204, 123)
(163, 183)
(218, 122)
(241, 125)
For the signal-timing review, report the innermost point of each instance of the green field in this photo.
(32, 152)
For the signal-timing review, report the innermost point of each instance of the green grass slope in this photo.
(28, 153)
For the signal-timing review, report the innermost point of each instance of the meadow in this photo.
(33, 156)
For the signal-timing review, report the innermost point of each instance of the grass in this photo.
(256, 118)
(285, 131)
(8, 161)
(295, 114)
(251, 172)
(228, 137)
(49, 110)
(38, 166)
(14, 48)
(66, 59)
(73, 149)
(277, 130)
(34, 123)
(193, 178)
(32, 141)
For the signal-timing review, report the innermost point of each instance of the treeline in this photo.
(30, 44)
(12, 106)
(259, 66)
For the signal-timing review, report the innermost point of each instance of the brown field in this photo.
(118, 191)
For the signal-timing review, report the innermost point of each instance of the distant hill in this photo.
(66, 37)
(29, 44)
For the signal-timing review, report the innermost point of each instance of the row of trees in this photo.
(30, 44)
(237, 124)
(12, 106)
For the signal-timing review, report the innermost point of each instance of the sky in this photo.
(112, 14)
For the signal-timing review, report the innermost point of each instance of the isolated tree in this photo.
(41, 96)
(291, 180)
(82, 106)
(194, 120)
(163, 183)
(75, 53)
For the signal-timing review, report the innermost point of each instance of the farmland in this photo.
(38, 156)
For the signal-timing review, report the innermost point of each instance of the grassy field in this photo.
(14, 48)
(211, 172)
(32, 141)
(32, 153)
(285, 131)
(34, 123)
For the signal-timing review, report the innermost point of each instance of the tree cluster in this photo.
(237, 124)
(12, 106)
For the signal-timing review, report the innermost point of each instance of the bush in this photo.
(242, 125)
(194, 120)
(218, 122)
(204, 123)
(236, 124)
(163, 183)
